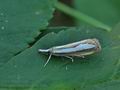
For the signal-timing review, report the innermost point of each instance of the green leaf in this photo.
(113, 85)
(116, 36)
(20, 22)
(26, 70)
(106, 11)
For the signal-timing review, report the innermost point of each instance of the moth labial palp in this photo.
(76, 49)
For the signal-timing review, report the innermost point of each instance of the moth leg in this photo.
(48, 59)
(70, 58)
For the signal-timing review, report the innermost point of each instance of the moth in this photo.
(76, 49)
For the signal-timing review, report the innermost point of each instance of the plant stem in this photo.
(81, 16)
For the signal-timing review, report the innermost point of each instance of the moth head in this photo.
(43, 50)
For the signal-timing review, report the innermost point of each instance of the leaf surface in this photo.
(26, 69)
(20, 22)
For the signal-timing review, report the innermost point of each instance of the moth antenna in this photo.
(48, 59)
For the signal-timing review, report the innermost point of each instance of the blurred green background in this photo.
(105, 11)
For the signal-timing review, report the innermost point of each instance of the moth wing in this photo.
(68, 45)
(80, 54)
(86, 41)
(78, 48)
